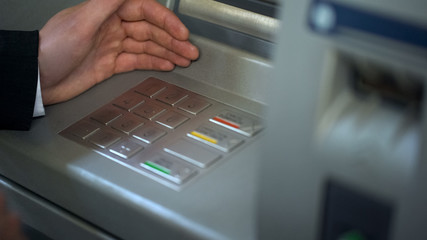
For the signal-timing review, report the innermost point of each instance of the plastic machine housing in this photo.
(345, 150)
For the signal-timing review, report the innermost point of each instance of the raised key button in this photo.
(106, 115)
(171, 96)
(125, 149)
(128, 101)
(103, 139)
(169, 168)
(215, 137)
(148, 134)
(193, 105)
(171, 119)
(127, 124)
(150, 87)
(238, 122)
(83, 129)
(192, 153)
(148, 111)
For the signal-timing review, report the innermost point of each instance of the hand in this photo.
(88, 43)
(10, 226)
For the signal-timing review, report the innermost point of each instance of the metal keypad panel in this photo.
(165, 132)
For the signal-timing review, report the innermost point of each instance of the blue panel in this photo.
(374, 23)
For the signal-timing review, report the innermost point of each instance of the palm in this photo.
(99, 62)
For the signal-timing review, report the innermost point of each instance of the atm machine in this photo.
(344, 155)
(307, 127)
(150, 155)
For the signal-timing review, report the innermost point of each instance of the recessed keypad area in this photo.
(165, 132)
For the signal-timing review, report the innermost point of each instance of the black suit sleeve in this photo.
(18, 78)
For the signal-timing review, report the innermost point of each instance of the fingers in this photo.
(128, 62)
(154, 13)
(143, 31)
(156, 38)
(151, 48)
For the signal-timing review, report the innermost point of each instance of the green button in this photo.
(157, 167)
(352, 235)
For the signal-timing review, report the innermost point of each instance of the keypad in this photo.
(165, 132)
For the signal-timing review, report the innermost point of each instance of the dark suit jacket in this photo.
(18, 78)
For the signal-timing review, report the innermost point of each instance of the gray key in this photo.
(171, 119)
(192, 153)
(148, 134)
(125, 149)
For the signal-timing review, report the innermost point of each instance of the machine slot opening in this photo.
(370, 110)
(396, 88)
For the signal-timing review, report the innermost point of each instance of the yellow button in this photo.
(204, 137)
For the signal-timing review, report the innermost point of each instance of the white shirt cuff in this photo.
(38, 105)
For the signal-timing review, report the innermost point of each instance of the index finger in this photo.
(155, 13)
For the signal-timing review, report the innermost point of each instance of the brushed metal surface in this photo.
(231, 17)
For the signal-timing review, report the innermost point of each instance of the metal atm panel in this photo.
(112, 201)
